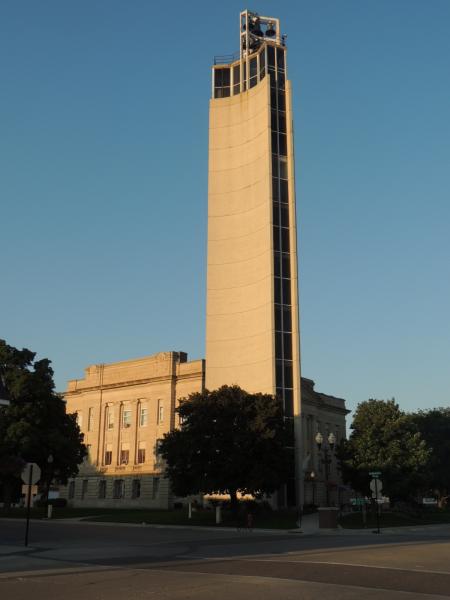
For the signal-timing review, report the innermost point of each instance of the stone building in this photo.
(124, 408)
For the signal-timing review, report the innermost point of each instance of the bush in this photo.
(55, 502)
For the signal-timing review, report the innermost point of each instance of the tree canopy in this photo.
(385, 439)
(434, 427)
(35, 425)
(229, 441)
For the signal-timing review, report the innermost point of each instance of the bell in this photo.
(270, 31)
(255, 27)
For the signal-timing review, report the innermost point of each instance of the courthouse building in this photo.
(252, 315)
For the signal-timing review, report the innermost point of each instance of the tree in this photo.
(434, 427)
(229, 441)
(35, 425)
(385, 439)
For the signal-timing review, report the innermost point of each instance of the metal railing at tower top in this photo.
(224, 59)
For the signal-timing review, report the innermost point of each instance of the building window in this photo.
(102, 488)
(118, 489)
(84, 488)
(91, 419)
(155, 490)
(136, 488)
(160, 411)
(71, 490)
(141, 453)
(143, 416)
(87, 458)
(126, 418)
(110, 417)
(108, 457)
(124, 456)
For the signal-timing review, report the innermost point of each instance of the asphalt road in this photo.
(99, 562)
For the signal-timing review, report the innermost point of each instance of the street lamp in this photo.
(327, 451)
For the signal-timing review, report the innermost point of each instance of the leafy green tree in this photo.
(35, 425)
(434, 427)
(229, 441)
(385, 439)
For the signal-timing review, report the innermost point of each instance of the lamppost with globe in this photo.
(327, 450)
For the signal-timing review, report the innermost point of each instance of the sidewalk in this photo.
(310, 526)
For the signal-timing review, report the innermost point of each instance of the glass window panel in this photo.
(278, 345)
(262, 62)
(276, 215)
(253, 67)
(236, 89)
(287, 318)
(280, 58)
(288, 403)
(273, 98)
(282, 144)
(274, 120)
(284, 240)
(278, 317)
(253, 81)
(286, 266)
(281, 80)
(277, 264)
(282, 122)
(271, 56)
(276, 238)
(275, 192)
(274, 165)
(284, 220)
(286, 284)
(284, 196)
(277, 291)
(283, 165)
(273, 81)
(262, 74)
(225, 76)
(281, 100)
(279, 373)
(225, 92)
(288, 378)
(287, 346)
(274, 142)
(236, 74)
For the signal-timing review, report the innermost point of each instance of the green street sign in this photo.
(375, 474)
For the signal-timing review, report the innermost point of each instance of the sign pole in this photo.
(378, 505)
(30, 478)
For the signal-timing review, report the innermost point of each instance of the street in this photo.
(96, 561)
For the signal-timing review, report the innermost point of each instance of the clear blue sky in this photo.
(103, 184)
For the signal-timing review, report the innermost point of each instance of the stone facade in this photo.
(123, 409)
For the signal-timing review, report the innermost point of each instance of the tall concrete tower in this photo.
(252, 323)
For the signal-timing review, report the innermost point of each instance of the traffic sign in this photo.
(375, 474)
(376, 485)
(31, 474)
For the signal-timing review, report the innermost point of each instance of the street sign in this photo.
(31, 474)
(376, 485)
(375, 474)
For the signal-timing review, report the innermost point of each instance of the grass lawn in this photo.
(264, 520)
(395, 519)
